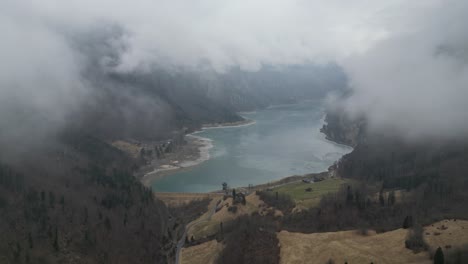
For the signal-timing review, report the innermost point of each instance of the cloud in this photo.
(222, 34)
(406, 60)
(39, 78)
(416, 82)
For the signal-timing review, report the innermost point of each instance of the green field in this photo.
(310, 199)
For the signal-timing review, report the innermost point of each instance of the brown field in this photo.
(349, 246)
(205, 253)
(447, 234)
(352, 247)
(177, 199)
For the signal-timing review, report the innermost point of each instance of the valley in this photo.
(233, 132)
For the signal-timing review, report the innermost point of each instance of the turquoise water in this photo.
(284, 141)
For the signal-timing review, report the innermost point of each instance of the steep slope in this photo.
(77, 202)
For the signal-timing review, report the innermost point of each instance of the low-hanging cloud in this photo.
(416, 82)
(406, 61)
(222, 34)
(39, 79)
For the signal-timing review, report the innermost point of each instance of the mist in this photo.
(414, 83)
(405, 62)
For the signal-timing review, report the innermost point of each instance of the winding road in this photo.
(181, 242)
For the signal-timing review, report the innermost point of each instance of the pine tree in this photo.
(439, 256)
(86, 235)
(408, 222)
(349, 195)
(107, 223)
(85, 220)
(51, 199)
(17, 251)
(56, 245)
(30, 240)
(381, 199)
(221, 229)
(415, 240)
(391, 198)
(62, 203)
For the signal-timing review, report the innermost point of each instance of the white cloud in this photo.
(226, 33)
(403, 58)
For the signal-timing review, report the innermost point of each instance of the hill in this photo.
(78, 202)
(353, 247)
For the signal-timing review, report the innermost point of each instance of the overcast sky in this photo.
(406, 60)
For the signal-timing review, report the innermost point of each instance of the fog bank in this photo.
(406, 62)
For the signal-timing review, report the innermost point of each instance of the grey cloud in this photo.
(416, 82)
(406, 61)
(39, 78)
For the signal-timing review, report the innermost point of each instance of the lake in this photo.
(284, 141)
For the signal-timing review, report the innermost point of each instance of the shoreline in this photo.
(189, 159)
(331, 140)
(205, 144)
(245, 122)
(328, 138)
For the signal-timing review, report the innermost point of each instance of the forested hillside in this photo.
(77, 202)
(428, 175)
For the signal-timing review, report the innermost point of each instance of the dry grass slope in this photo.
(447, 234)
(352, 247)
(177, 199)
(204, 229)
(205, 253)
